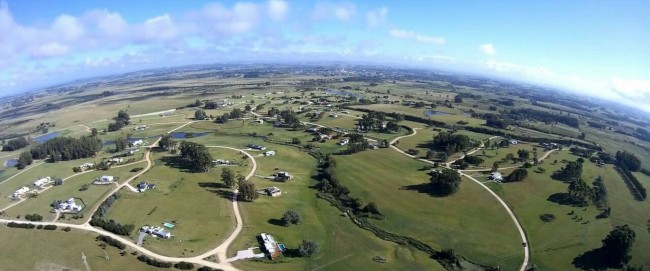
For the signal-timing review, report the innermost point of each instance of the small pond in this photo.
(46, 137)
(181, 135)
(11, 162)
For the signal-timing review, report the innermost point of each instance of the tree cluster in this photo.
(247, 191)
(111, 242)
(15, 144)
(200, 115)
(308, 248)
(570, 172)
(445, 181)
(451, 143)
(67, 148)
(330, 183)
(121, 120)
(291, 217)
(153, 262)
(580, 194)
(34, 217)
(228, 177)
(517, 175)
(166, 142)
(25, 159)
(617, 246)
(197, 155)
(357, 143)
(628, 160)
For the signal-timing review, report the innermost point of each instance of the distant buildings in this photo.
(67, 206)
(21, 191)
(104, 180)
(143, 186)
(42, 181)
(273, 191)
(270, 246)
(156, 231)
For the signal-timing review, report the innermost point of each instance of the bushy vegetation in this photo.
(121, 120)
(617, 245)
(308, 248)
(633, 183)
(197, 155)
(451, 143)
(166, 142)
(25, 159)
(228, 177)
(357, 143)
(628, 161)
(98, 219)
(445, 181)
(34, 217)
(111, 242)
(67, 148)
(184, 266)
(291, 217)
(154, 262)
(570, 172)
(15, 144)
(21, 225)
(247, 191)
(517, 175)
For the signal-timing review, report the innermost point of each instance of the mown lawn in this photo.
(469, 221)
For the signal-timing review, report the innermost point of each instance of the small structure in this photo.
(269, 153)
(496, 176)
(42, 181)
(270, 246)
(143, 186)
(260, 121)
(282, 176)
(68, 206)
(131, 151)
(86, 166)
(324, 136)
(344, 141)
(138, 142)
(140, 127)
(221, 162)
(116, 160)
(513, 142)
(334, 116)
(104, 180)
(21, 191)
(156, 231)
(273, 191)
(257, 147)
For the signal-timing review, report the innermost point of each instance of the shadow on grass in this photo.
(276, 222)
(424, 188)
(560, 198)
(291, 253)
(592, 260)
(179, 163)
(213, 185)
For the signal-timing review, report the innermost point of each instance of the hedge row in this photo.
(633, 182)
(154, 262)
(111, 242)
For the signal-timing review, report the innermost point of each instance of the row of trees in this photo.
(67, 148)
(236, 113)
(15, 144)
(449, 142)
(25, 159)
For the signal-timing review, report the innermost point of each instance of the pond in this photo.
(343, 93)
(131, 140)
(429, 113)
(181, 135)
(11, 162)
(46, 137)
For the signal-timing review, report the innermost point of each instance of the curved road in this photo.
(499, 199)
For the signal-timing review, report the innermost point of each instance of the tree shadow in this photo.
(560, 198)
(226, 194)
(213, 185)
(179, 163)
(292, 253)
(424, 188)
(276, 222)
(591, 260)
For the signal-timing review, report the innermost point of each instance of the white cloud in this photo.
(50, 49)
(157, 28)
(488, 49)
(538, 72)
(242, 18)
(277, 9)
(342, 12)
(635, 89)
(414, 36)
(68, 27)
(376, 17)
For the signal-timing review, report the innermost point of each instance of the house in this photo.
(269, 153)
(282, 176)
(324, 136)
(138, 142)
(86, 166)
(21, 191)
(270, 246)
(221, 162)
(333, 116)
(312, 131)
(42, 181)
(257, 147)
(143, 186)
(273, 191)
(131, 151)
(496, 176)
(156, 231)
(116, 160)
(384, 124)
(104, 180)
(140, 128)
(513, 141)
(260, 121)
(344, 141)
(67, 206)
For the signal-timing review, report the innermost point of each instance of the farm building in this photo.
(42, 181)
(514, 141)
(270, 246)
(156, 231)
(257, 147)
(140, 127)
(116, 160)
(273, 191)
(221, 162)
(496, 176)
(86, 166)
(104, 180)
(67, 206)
(269, 153)
(21, 191)
(344, 141)
(138, 142)
(282, 176)
(143, 186)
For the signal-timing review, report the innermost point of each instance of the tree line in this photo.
(122, 119)
(15, 144)
(67, 148)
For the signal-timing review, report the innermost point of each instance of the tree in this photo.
(372, 208)
(24, 160)
(247, 108)
(570, 172)
(617, 245)
(197, 154)
(517, 175)
(247, 191)
(445, 182)
(458, 99)
(120, 144)
(93, 132)
(580, 193)
(197, 103)
(495, 166)
(308, 248)
(628, 160)
(200, 115)
(166, 142)
(291, 217)
(15, 144)
(228, 177)
(431, 154)
(523, 154)
(295, 141)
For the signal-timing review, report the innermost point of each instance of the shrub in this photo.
(21, 225)
(206, 268)
(184, 266)
(67, 229)
(291, 217)
(34, 217)
(111, 242)
(154, 262)
(39, 227)
(136, 169)
(308, 248)
(50, 227)
(547, 217)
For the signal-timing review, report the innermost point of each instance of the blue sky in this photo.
(593, 47)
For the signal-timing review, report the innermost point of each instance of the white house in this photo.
(514, 142)
(21, 191)
(269, 153)
(333, 116)
(156, 231)
(67, 206)
(496, 176)
(273, 191)
(282, 176)
(86, 166)
(140, 128)
(116, 160)
(138, 142)
(260, 121)
(270, 245)
(104, 180)
(42, 181)
(344, 141)
(221, 162)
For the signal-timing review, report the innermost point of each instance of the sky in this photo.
(598, 48)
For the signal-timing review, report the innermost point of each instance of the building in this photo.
(221, 162)
(273, 191)
(21, 191)
(269, 153)
(140, 128)
(104, 180)
(67, 206)
(86, 166)
(143, 186)
(282, 176)
(156, 231)
(496, 176)
(334, 116)
(42, 181)
(116, 160)
(260, 121)
(138, 142)
(344, 141)
(324, 136)
(270, 246)
(514, 142)
(257, 147)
